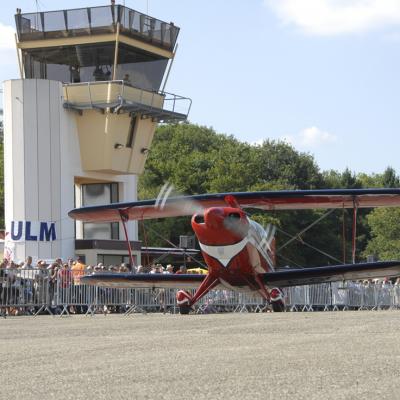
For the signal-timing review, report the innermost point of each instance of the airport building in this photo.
(79, 124)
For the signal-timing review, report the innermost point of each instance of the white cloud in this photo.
(310, 138)
(7, 38)
(335, 17)
(258, 142)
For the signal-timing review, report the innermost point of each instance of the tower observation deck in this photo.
(110, 59)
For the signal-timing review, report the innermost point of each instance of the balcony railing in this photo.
(119, 96)
(96, 20)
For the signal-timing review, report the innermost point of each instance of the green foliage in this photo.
(385, 232)
(388, 179)
(280, 165)
(342, 180)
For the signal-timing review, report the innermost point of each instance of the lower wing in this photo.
(152, 281)
(309, 276)
(293, 277)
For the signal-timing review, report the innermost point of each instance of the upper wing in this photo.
(309, 276)
(271, 200)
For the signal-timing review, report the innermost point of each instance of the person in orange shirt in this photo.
(78, 270)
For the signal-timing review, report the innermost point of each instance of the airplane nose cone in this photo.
(214, 218)
(220, 226)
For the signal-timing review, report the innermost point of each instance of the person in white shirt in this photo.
(169, 269)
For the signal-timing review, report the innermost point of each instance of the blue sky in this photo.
(321, 74)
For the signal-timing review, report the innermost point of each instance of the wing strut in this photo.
(354, 233)
(124, 218)
(344, 234)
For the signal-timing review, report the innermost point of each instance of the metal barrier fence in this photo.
(33, 291)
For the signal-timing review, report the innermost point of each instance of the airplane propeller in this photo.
(180, 201)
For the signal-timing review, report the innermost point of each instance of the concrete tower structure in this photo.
(79, 125)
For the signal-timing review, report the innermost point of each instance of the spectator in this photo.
(384, 293)
(64, 280)
(28, 263)
(113, 269)
(123, 268)
(59, 262)
(78, 270)
(53, 272)
(41, 282)
(97, 268)
(159, 269)
(140, 269)
(169, 269)
(10, 287)
(27, 279)
(127, 79)
(182, 270)
(397, 293)
(3, 266)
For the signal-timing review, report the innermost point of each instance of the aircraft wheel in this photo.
(184, 309)
(278, 306)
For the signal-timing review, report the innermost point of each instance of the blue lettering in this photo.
(19, 234)
(28, 235)
(46, 233)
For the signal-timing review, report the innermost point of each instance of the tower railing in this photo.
(121, 96)
(96, 20)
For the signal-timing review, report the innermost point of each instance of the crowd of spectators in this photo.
(78, 268)
(45, 282)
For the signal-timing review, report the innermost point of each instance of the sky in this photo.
(323, 75)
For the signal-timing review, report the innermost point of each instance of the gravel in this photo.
(325, 355)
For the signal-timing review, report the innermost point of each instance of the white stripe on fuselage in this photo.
(224, 254)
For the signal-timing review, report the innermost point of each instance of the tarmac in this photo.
(324, 355)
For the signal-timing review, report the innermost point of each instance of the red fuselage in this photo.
(235, 248)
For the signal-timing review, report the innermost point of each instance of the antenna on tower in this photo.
(39, 5)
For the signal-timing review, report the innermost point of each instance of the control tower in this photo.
(79, 124)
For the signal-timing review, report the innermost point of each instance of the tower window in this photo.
(131, 134)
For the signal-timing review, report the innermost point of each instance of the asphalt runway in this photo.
(332, 355)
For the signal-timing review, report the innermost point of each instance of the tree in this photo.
(385, 232)
(280, 164)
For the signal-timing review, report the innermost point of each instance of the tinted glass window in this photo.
(88, 63)
(99, 194)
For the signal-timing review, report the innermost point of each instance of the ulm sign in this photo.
(32, 231)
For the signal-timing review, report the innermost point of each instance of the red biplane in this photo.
(237, 250)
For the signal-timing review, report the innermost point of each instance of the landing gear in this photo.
(278, 306)
(277, 302)
(183, 300)
(184, 309)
